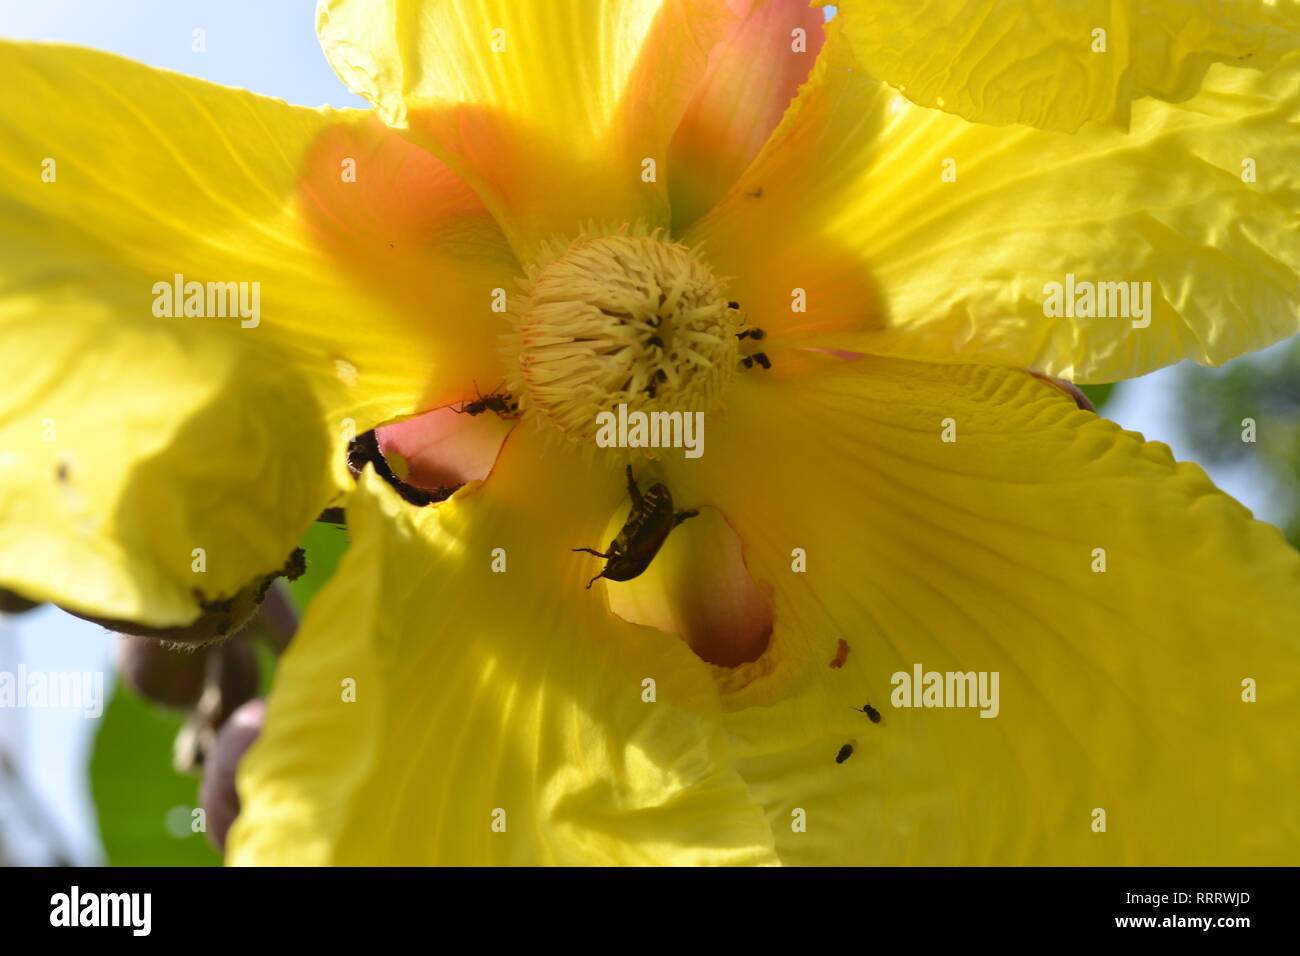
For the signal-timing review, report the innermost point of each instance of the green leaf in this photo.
(144, 805)
(1099, 395)
(325, 544)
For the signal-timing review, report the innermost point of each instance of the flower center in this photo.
(621, 319)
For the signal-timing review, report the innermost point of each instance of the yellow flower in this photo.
(906, 495)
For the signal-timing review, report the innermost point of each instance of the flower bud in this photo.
(170, 676)
(217, 794)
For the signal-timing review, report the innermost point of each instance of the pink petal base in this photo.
(443, 447)
(700, 589)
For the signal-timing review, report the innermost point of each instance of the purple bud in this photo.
(217, 795)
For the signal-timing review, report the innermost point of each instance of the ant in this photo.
(496, 401)
(755, 334)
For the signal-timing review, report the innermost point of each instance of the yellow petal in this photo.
(921, 235)
(131, 439)
(482, 696)
(1059, 65)
(143, 471)
(752, 78)
(1119, 690)
(551, 108)
(419, 256)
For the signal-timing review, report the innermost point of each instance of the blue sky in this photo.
(268, 46)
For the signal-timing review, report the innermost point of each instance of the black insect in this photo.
(749, 360)
(755, 193)
(495, 401)
(733, 305)
(845, 753)
(660, 376)
(334, 516)
(643, 534)
(754, 334)
(364, 450)
(873, 715)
